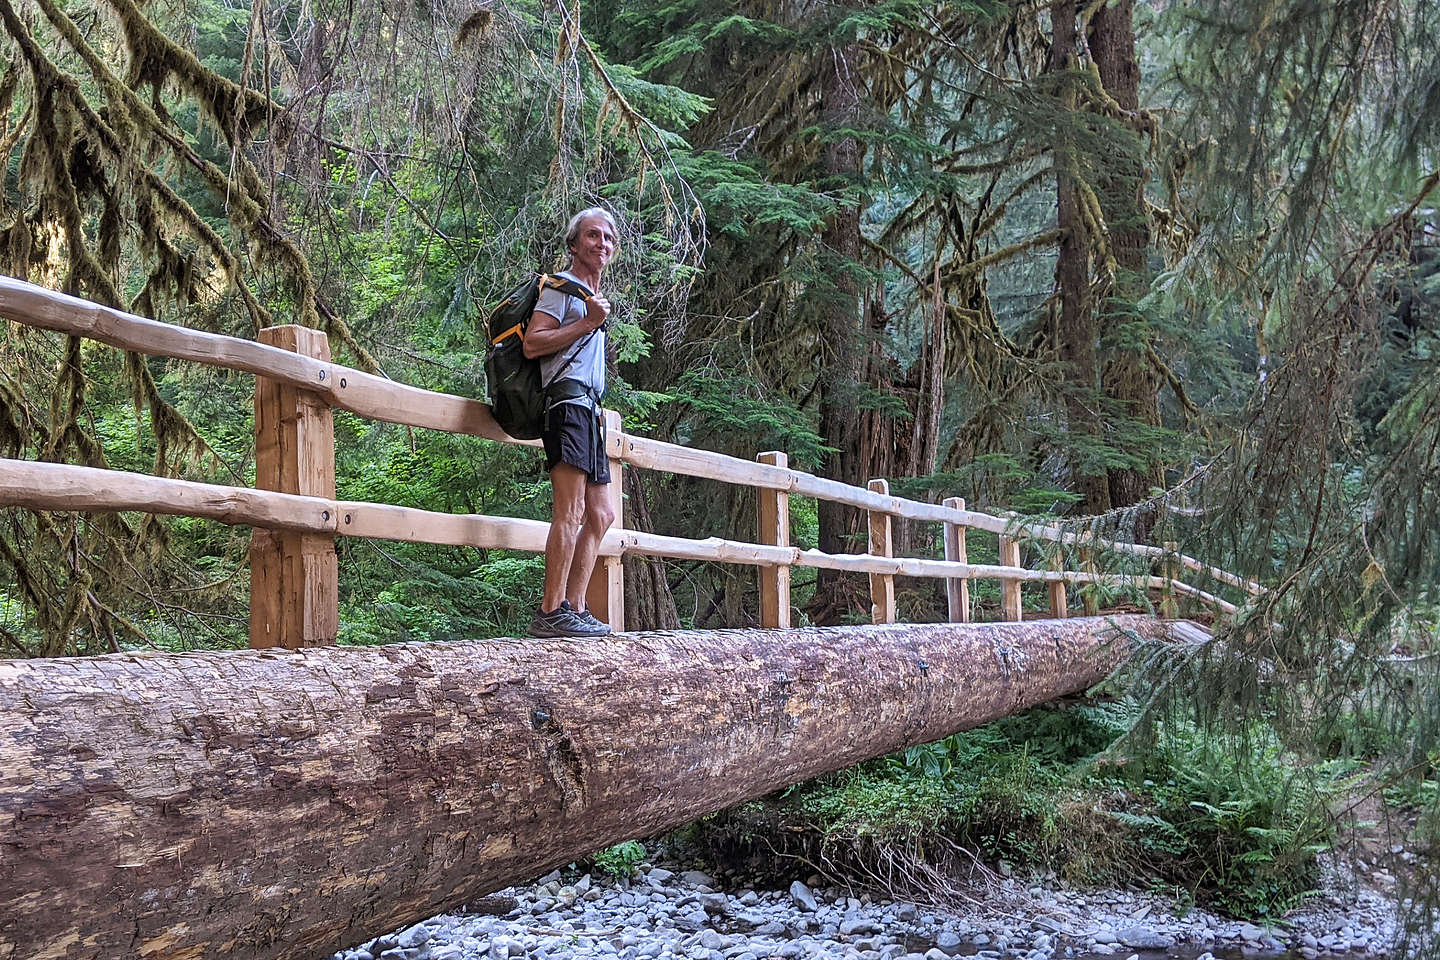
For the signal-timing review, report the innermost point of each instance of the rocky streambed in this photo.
(665, 913)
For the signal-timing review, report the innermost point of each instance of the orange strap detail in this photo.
(555, 282)
(518, 328)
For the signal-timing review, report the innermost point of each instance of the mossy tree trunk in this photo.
(1076, 329)
(1129, 377)
(841, 334)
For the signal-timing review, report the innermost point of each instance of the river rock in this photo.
(714, 940)
(1145, 938)
(714, 902)
(801, 894)
(412, 936)
(948, 942)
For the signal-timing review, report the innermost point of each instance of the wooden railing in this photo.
(296, 515)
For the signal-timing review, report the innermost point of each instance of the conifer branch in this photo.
(1177, 387)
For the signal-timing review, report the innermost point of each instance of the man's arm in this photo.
(545, 335)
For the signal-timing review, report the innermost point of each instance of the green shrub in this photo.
(1233, 824)
(620, 860)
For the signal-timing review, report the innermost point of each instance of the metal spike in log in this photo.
(288, 804)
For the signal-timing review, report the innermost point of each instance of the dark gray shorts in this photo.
(575, 434)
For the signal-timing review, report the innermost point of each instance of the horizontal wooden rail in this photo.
(54, 486)
(59, 486)
(344, 387)
(380, 399)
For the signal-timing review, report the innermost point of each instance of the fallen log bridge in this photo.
(287, 804)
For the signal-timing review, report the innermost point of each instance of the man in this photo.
(569, 334)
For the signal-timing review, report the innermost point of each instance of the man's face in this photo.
(594, 245)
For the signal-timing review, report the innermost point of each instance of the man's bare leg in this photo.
(568, 484)
(598, 516)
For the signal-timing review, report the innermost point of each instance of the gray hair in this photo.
(572, 230)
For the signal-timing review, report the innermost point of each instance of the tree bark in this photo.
(842, 357)
(1076, 332)
(1128, 376)
(649, 604)
(287, 804)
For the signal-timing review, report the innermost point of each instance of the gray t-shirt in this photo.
(588, 365)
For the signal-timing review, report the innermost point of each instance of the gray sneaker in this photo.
(590, 618)
(563, 621)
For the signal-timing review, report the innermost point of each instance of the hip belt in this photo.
(568, 389)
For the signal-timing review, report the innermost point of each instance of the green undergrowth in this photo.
(619, 860)
(1232, 825)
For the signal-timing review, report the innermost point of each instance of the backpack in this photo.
(517, 396)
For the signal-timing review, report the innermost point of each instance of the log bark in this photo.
(290, 803)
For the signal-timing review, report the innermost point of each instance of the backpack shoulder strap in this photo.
(573, 288)
(565, 285)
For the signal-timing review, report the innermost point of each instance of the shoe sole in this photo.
(553, 634)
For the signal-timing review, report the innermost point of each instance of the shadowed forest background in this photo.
(1164, 271)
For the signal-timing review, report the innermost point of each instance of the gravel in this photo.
(686, 914)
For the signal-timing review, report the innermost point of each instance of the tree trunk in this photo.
(649, 604)
(1128, 376)
(842, 357)
(1076, 333)
(287, 804)
(915, 539)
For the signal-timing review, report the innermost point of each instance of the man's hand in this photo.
(545, 335)
(597, 311)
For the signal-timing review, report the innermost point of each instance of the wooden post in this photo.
(605, 592)
(1170, 570)
(1087, 563)
(882, 585)
(774, 516)
(1010, 589)
(1058, 608)
(294, 582)
(957, 589)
